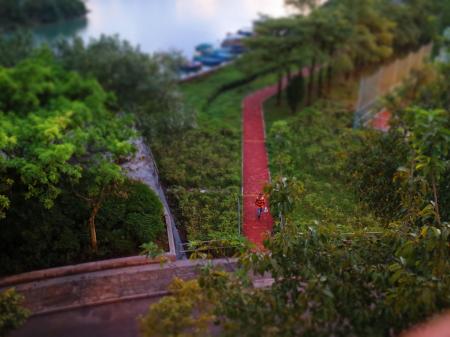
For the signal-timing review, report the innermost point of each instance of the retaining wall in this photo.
(67, 288)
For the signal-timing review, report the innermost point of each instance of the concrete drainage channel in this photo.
(143, 167)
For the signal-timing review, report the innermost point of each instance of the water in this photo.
(162, 25)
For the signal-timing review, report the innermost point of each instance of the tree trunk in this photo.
(329, 76)
(311, 80)
(92, 231)
(436, 201)
(329, 69)
(288, 74)
(348, 75)
(320, 84)
(280, 87)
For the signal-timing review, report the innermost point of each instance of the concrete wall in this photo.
(58, 292)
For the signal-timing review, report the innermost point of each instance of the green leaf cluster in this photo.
(60, 152)
(12, 314)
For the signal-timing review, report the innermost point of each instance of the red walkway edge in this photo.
(255, 164)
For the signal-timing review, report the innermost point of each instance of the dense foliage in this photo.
(15, 13)
(361, 242)
(314, 147)
(144, 85)
(345, 37)
(412, 176)
(342, 36)
(333, 275)
(60, 151)
(15, 48)
(12, 314)
(324, 283)
(203, 182)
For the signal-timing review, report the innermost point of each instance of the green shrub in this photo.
(205, 214)
(314, 146)
(373, 178)
(36, 238)
(200, 159)
(12, 315)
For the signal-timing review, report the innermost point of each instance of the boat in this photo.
(234, 43)
(204, 48)
(245, 32)
(209, 61)
(236, 49)
(223, 54)
(191, 67)
(232, 40)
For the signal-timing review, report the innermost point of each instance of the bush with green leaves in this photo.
(144, 85)
(60, 154)
(199, 158)
(329, 283)
(15, 48)
(12, 314)
(411, 179)
(325, 283)
(207, 214)
(135, 216)
(36, 238)
(314, 147)
(372, 178)
(201, 169)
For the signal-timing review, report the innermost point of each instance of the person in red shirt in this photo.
(260, 203)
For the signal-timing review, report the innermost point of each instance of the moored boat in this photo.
(191, 67)
(222, 54)
(236, 49)
(232, 40)
(204, 48)
(209, 61)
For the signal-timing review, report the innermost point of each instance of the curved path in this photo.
(255, 169)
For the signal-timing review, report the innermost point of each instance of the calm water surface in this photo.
(161, 25)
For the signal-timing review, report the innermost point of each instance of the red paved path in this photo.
(255, 164)
(381, 120)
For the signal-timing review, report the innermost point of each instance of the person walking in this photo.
(260, 203)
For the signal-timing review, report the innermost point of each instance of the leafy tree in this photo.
(374, 179)
(271, 47)
(284, 195)
(406, 32)
(12, 314)
(302, 5)
(144, 85)
(56, 129)
(15, 48)
(323, 283)
(372, 33)
(172, 315)
(430, 140)
(295, 92)
(106, 180)
(321, 42)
